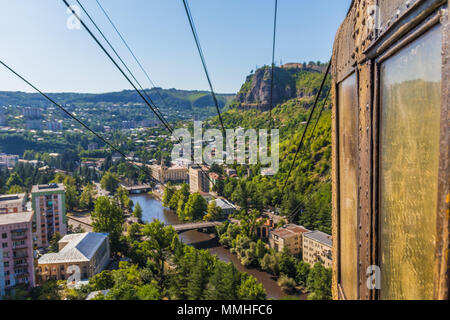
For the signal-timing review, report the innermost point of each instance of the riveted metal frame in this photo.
(409, 20)
(399, 42)
(337, 240)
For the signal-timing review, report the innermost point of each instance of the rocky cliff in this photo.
(290, 81)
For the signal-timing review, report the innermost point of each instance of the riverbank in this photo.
(153, 209)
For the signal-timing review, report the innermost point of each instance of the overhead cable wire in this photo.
(75, 118)
(273, 63)
(134, 56)
(305, 130)
(123, 63)
(202, 57)
(106, 142)
(117, 66)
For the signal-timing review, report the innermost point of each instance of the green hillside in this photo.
(309, 187)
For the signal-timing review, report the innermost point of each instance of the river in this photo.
(153, 209)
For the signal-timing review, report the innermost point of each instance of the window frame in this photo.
(398, 43)
(355, 72)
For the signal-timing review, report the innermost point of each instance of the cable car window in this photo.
(348, 192)
(410, 83)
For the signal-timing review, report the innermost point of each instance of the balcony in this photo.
(18, 236)
(21, 265)
(20, 246)
(22, 274)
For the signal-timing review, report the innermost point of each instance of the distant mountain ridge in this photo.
(179, 99)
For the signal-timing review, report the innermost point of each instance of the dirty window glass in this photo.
(409, 156)
(348, 193)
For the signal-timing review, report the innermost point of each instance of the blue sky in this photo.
(236, 36)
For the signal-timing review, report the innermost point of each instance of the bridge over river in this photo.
(196, 225)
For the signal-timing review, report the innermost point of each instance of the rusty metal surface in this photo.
(443, 215)
(356, 47)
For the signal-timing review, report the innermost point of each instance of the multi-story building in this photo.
(86, 253)
(31, 112)
(317, 247)
(54, 126)
(198, 180)
(8, 160)
(175, 173)
(49, 204)
(16, 250)
(33, 124)
(289, 236)
(13, 203)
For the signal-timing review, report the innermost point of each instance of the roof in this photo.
(80, 247)
(20, 217)
(289, 230)
(320, 236)
(224, 204)
(12, 198)
(48, 187)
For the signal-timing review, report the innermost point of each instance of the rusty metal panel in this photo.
(443, 212)
(334, 201)
(365, 174)
(357, 46)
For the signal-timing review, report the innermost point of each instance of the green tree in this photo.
(54, 246)
(107, 217)
(110, 181)
(286, 284)
(195, 207)
(15, 189)
(287, 263)
(123, 198)
(102, 281)
(319, 283)
(251, 289)
(137, 212)
(160, 240)
(71, 197)
(303, 269)
(87, 197)
(14, 180)
(167, 194)
(213, 212)
(224, 282)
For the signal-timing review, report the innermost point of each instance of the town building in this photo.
(54, 126)
(8, 160)
(86, 253)
(31, 112)
(13, 203)
(198, 180)
(175, 173)
(33, 124)
(263, 231)
(49, 204)
(289, 236)
(213, 179)
(317, 247)
(226, 206)
(16, 250)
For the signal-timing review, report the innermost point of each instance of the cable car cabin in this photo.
(391, 119)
